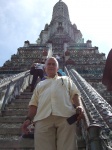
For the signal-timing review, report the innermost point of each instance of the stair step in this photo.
(28, 90)
(17, 112)
(24, 96)
(10, 137)
(22, 100)
(17, 144)
(13, 129)
(17, 105)
(27, 93)
(12, 119)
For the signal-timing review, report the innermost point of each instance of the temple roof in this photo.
(60, 9)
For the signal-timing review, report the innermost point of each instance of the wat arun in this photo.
(61, 36)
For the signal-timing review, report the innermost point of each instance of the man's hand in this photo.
(25, 125)
(80, 111)
(31, 113)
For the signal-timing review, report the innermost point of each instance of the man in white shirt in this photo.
(50, 106)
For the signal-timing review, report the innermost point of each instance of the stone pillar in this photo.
(89, 43)
(26, 43)
(65, 47)
(50, 53)
(94, 137)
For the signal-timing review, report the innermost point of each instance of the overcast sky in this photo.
(22, 20)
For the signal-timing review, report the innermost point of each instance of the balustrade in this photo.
(98, 115)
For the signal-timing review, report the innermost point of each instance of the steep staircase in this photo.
(10, 124)
(97, 112)
(11, 137)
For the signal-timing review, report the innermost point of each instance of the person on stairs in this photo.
(61, 72)
(37, 70)
(51, 105)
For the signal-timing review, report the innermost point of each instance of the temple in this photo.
(81, 61)
(64, 39)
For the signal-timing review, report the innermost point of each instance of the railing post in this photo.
(5, 98)
(94, 137)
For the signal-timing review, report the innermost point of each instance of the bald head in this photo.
(52, 58)
(51, 67)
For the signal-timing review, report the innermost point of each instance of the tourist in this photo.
(51, 105)
(37, 70)
(61, 72)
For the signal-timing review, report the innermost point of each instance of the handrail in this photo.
(97, 134)
(85, 115)
(13, 87)
(83, 124)
(8, 79)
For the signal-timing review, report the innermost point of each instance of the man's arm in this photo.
(31, 113)
(32, 70)
(76, 100)
(78, 105)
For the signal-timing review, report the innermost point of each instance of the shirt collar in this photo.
(52, 78)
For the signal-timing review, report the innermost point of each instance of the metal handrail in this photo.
(12, 88)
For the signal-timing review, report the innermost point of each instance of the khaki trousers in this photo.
(54, 133)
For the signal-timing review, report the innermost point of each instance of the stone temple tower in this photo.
(60, 35)
(60, 31)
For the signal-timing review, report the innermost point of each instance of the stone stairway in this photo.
(10, 124)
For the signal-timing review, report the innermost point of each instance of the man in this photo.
(50, 106)
(37, 70)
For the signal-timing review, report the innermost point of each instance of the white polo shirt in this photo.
(54, 96)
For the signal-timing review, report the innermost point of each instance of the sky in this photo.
(22, 20)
